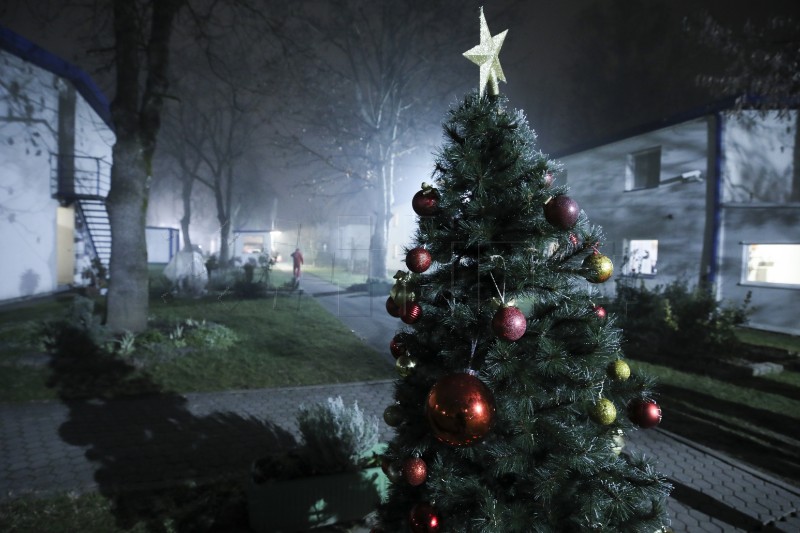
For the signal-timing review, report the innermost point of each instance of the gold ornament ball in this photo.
(405, 365)
(619, 370)
(603, 412)
(599, 268)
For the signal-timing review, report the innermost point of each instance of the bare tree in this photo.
(179, 163)
(762, 68)
(133, 39)
(371, 76)
(761, 61)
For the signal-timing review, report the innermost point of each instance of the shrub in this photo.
(675, 320)
(208, 334)
(336, 437)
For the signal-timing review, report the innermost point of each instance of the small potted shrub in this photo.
(333, 476)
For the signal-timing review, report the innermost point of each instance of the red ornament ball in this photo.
(392, 470)
(411, 313)
(415, 471)
(397, 346)
(392, 308)
(460, 409)
(393, 415)
(509, 323)
(423, 518)
(426, 202)
(418, 260)
(562, 211)
(644, 413)
(600, 312)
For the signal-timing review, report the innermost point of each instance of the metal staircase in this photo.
(95, 219)
(86, 186)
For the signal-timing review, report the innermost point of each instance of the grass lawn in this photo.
(283, 340)
(757, 337)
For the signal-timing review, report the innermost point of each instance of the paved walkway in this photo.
(148, 442)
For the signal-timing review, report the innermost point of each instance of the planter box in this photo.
(305, 503)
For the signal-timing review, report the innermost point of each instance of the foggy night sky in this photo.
(582, 70)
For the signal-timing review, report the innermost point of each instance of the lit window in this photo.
(772, 263)
(252, 244)
(640, 258)
(643, 170)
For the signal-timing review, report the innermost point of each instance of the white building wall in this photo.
(28, 155)
(673, 212)
(758, 174)
(27, 211)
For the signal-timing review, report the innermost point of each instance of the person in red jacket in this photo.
(297, 259)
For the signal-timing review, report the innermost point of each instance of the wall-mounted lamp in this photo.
(692, 175)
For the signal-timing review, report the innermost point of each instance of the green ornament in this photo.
(619, 370)
(603, 412)
(402, 292)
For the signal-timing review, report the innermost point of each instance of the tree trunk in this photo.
(224, 219)
(136, 115)
(377, 248)
(380, 234)
(224, 240)
(186, 195)
(127, 208)
(794, 194)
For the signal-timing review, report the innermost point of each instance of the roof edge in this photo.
(725, 104)
(24, 49)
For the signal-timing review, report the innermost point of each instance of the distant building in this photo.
(55, 159)
(710, 197)
(162, 243)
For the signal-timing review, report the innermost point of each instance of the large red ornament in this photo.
(411, 313)
(644, 413)
(425, 202)
(418, 260)
(392, 308)
(397, 346)
(562, 211)
(423, 518)
(509, 323)
(460, 409)
(415, 471)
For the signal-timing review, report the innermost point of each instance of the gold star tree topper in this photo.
(486, 56)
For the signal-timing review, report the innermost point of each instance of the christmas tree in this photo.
(513, 393)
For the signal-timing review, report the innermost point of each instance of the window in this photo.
(640, 258)
(773, 264)
(643, 170)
